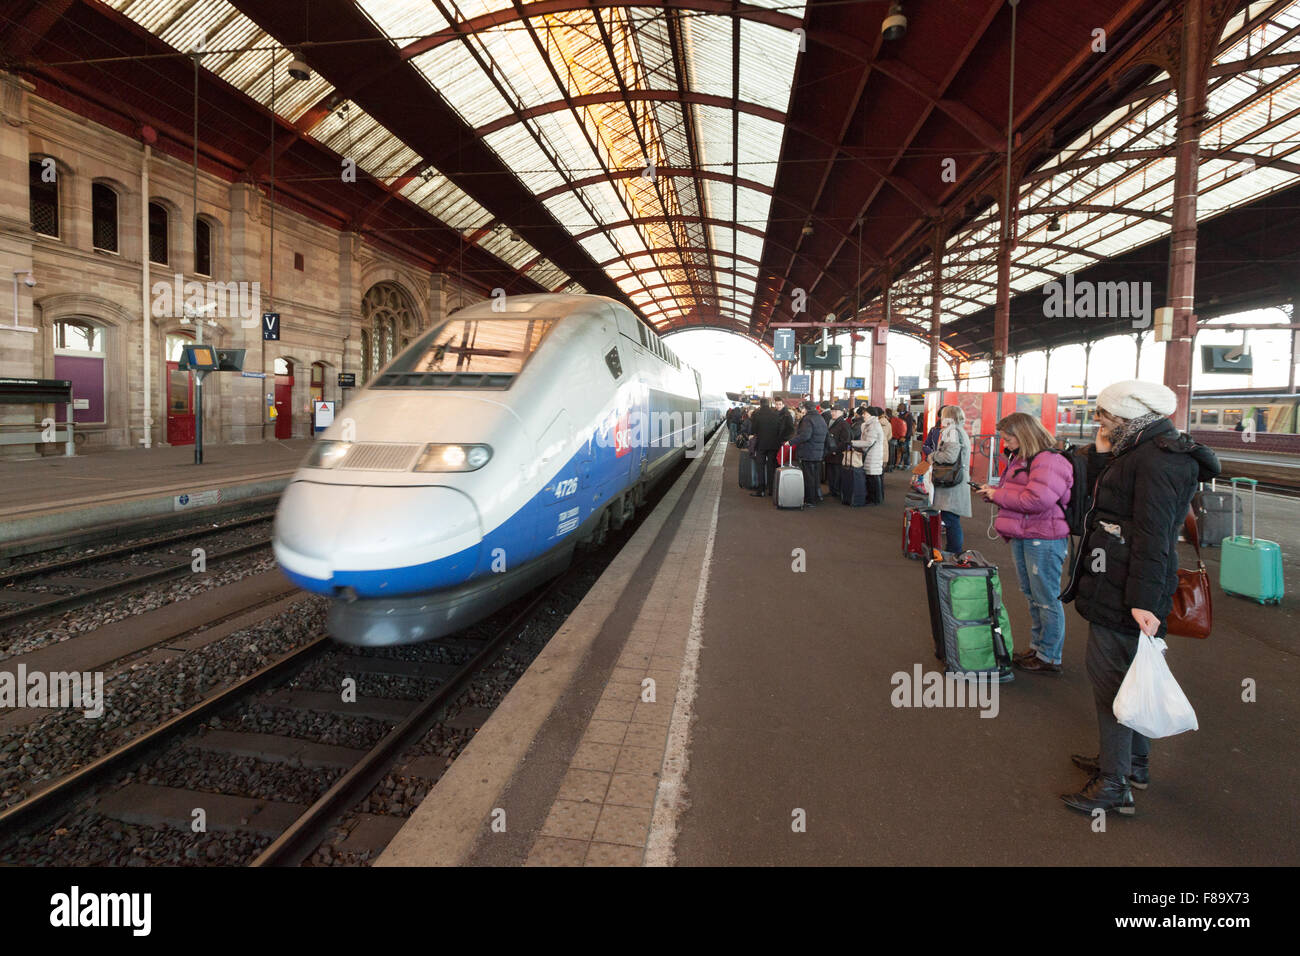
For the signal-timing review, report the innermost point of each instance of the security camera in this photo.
(29, 280)
(301, 72)
(895, 25)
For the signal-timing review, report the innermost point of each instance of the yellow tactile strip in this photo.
(602, 813)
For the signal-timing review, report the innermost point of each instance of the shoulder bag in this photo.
(1192, 614)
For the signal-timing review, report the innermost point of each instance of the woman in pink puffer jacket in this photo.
(1031, 499)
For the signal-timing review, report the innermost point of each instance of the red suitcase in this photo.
(920, 532)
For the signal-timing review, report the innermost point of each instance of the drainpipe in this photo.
(146, 322)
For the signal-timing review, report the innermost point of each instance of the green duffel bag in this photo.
(969, 623)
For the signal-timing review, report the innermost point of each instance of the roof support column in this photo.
(1192, 73)
(936, 293)
(1002, 316)
(878, 353)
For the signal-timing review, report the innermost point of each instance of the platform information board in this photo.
(801, 384)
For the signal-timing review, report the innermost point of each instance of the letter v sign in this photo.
(270, 326)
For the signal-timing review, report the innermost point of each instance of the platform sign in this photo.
(270, 326)
(196, 499)
(783, 345)
(347, 379)
(323, 414)
(801, 384)
(855, 384)
(909, 383)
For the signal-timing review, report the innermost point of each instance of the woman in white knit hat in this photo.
(1143, 474)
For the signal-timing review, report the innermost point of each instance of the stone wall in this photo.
(320, 303)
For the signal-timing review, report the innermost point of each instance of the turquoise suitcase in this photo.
(1250, 567)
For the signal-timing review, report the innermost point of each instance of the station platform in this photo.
(769, 735)
(48, 499)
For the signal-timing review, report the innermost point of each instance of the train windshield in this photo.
(476, 346)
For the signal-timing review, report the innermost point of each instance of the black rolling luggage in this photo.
(853, 486)
(1214, 514)
(748, 471)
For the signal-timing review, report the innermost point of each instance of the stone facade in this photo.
(321, 303)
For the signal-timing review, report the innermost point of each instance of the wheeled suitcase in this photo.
(748, 471)
(920, 532)
(788, 492)
(1215, 512)
(1251, 567)
(853, 487)
(968, 621)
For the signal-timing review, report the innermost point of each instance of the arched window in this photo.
(103, 215)
(202, 247)
(43, 185)
(158, 233)
(385, 309)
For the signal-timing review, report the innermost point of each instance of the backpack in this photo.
(1076, 509)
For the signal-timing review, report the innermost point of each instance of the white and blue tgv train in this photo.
(468, 469)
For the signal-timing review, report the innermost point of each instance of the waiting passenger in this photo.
(766, 424)
(872, 443)
(898, 440)
(1032, 498)
(1144, 474)
(953, 503)
(810, 446)
(839, 432)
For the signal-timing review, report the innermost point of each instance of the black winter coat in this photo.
(840, 430)
(1129, 556)
(810, 439)
(768, 425)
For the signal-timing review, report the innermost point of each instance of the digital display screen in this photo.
(203, 356)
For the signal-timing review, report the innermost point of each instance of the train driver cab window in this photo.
(476, 346)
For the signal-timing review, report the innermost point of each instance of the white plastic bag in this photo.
(1150, 700)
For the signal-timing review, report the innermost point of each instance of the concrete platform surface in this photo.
(794, 713)
(54, 495)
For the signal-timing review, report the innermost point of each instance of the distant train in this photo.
(468, 469)
(1273, 412)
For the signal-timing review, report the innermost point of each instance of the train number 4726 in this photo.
(569, 486)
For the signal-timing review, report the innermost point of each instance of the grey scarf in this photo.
(1129, 431)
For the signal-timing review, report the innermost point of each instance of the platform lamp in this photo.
(28, 280)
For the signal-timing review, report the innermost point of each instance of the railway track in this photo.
(53, 587)
(99, 785)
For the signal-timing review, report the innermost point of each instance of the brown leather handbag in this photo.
(1192, 614)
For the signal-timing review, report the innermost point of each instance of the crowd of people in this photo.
(1141, 474)
(823, 440)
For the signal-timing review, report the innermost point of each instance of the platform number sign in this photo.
(270, 326)
(783, 345)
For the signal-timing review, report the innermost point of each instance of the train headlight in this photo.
(453, 458)
(327, 454)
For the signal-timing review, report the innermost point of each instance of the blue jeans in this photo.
(953, 538)
(1038, 565)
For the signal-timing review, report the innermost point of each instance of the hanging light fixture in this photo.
(1054, 224)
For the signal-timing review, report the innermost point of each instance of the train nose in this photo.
(371, 542)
